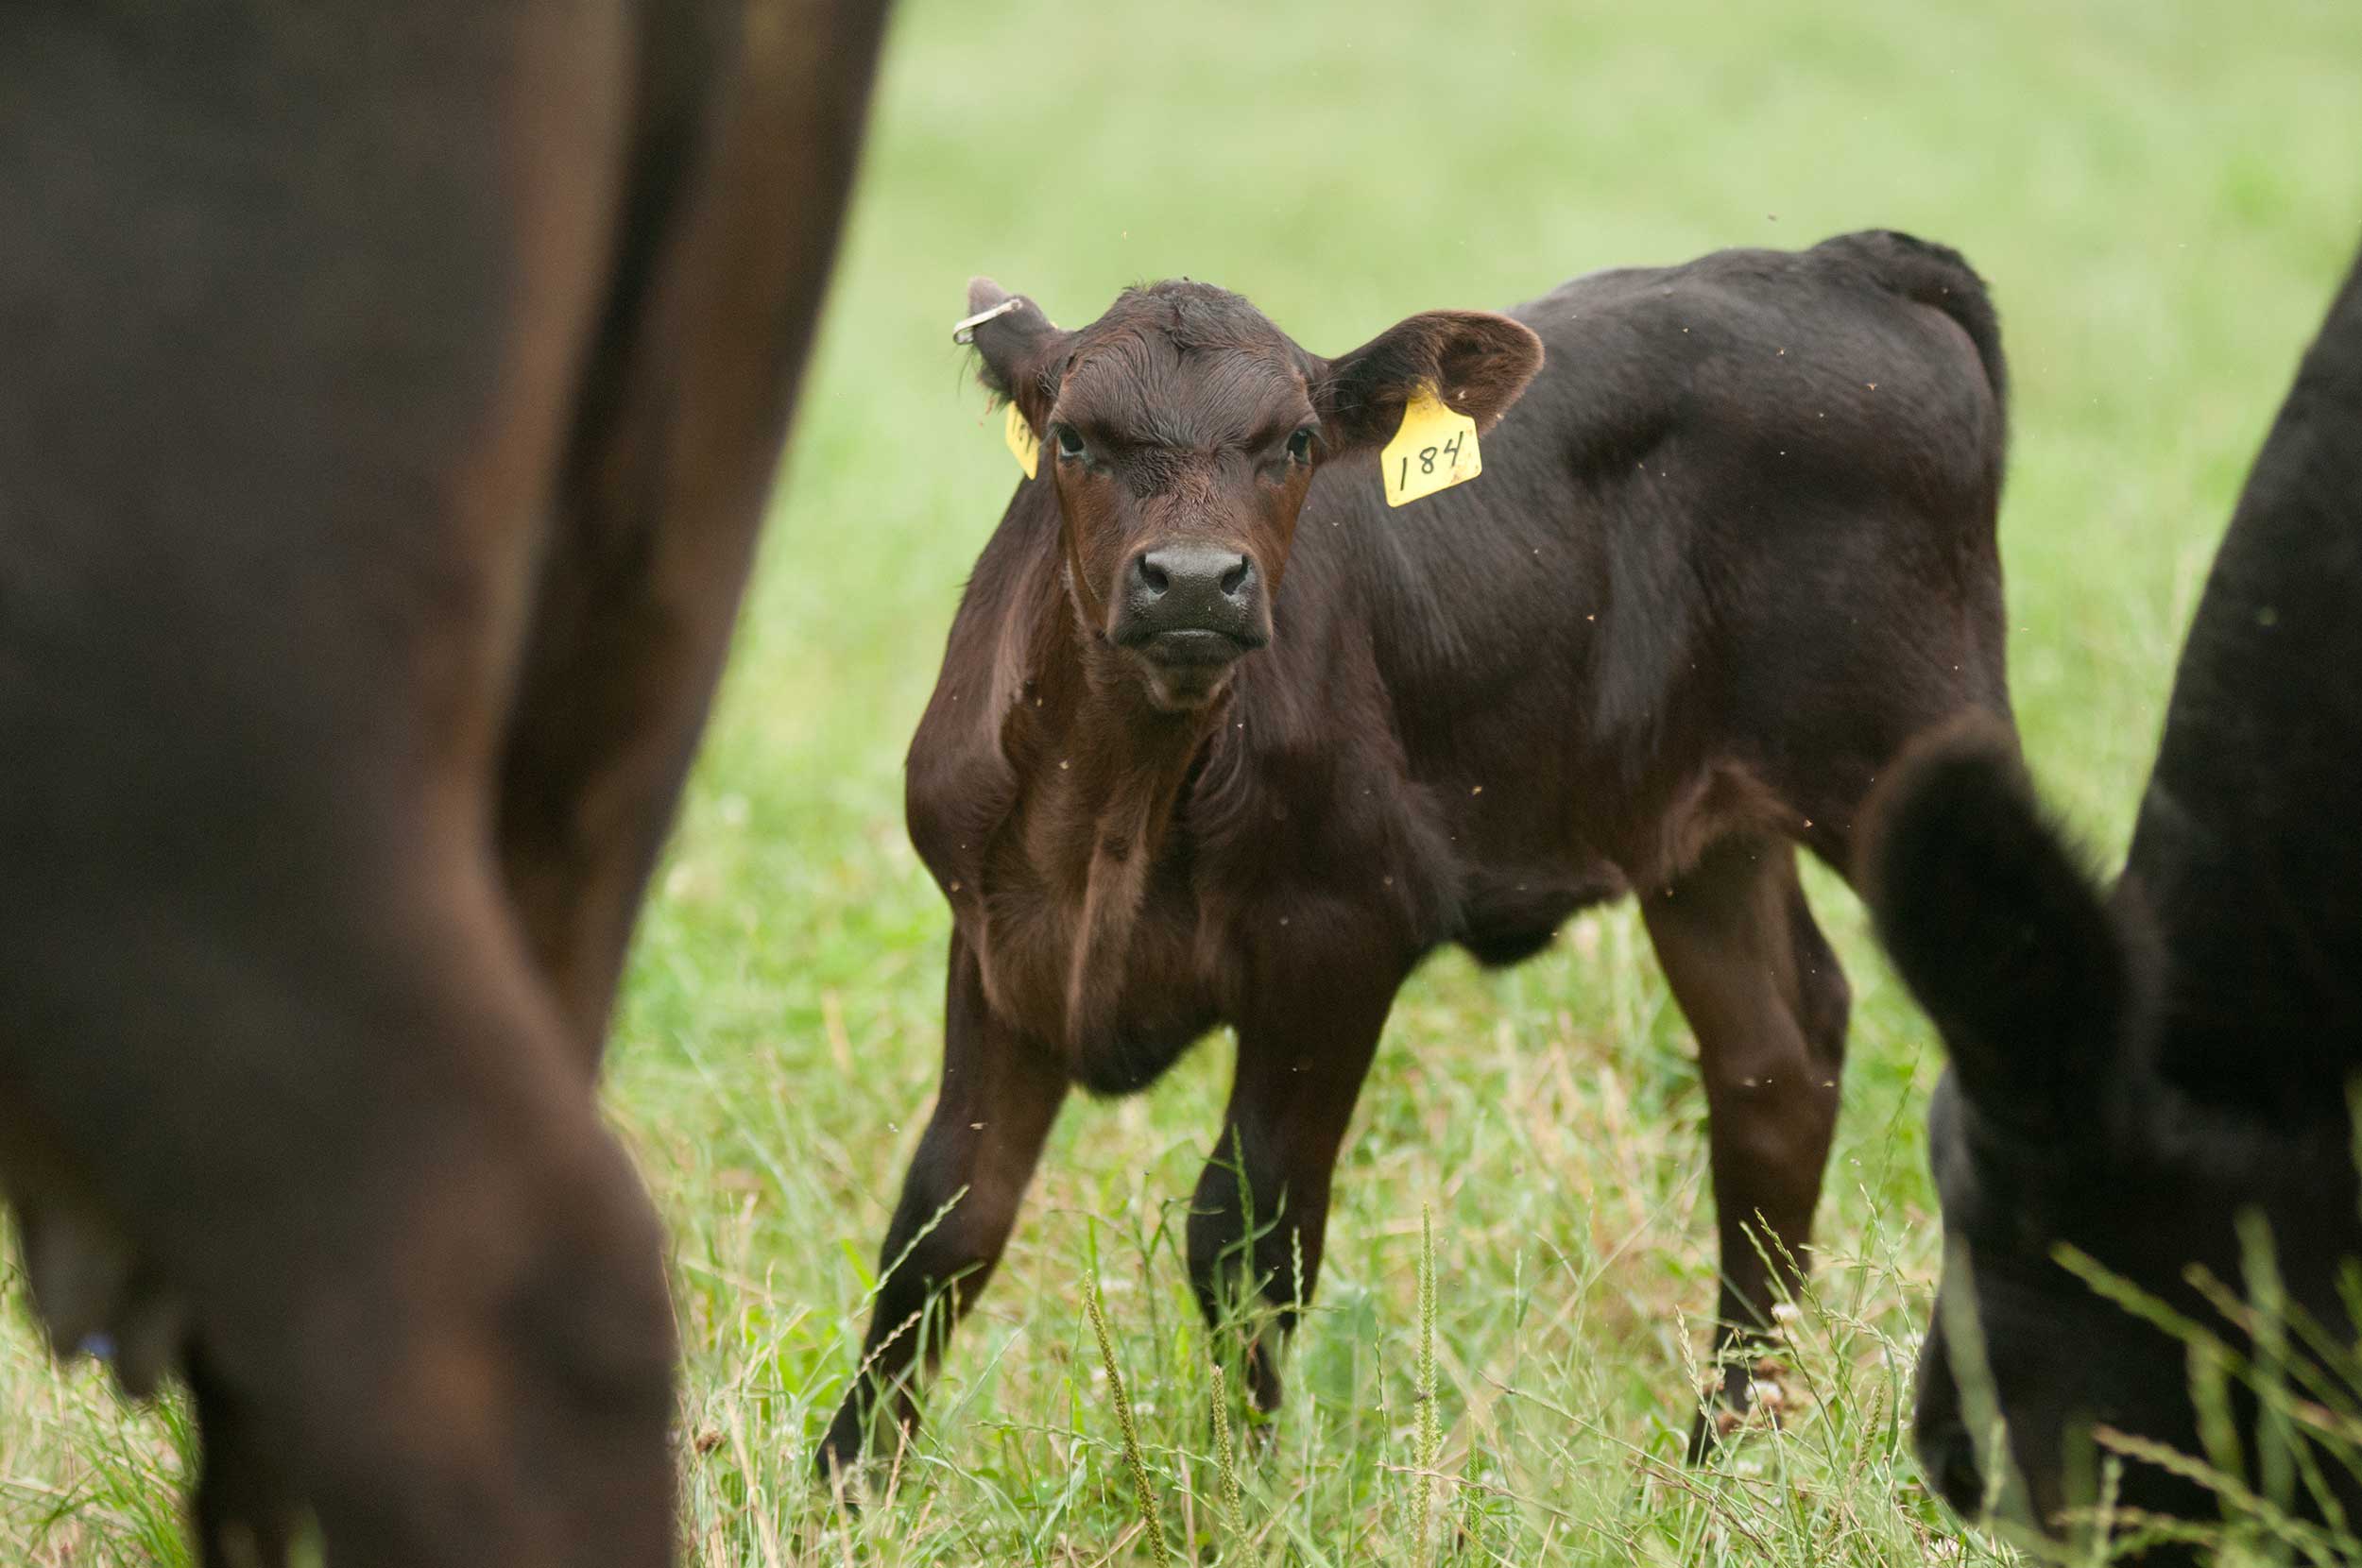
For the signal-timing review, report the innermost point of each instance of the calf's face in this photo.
(2058, 1144)
(1181, 431)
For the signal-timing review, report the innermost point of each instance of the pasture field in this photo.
(2161, 193)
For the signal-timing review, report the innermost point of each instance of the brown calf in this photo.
(392, 395)
(1219, 738)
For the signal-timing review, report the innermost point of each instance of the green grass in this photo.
(2161, 193)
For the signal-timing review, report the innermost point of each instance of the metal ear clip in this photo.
(964, 330)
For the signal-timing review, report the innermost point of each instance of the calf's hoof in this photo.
(841, 1451)
(1747, 1397)
(848, 1444)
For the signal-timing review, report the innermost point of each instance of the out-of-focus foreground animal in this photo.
(1221, 737)
(2156, 1075)
(391, 395)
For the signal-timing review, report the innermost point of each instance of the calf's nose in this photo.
(1190, 588)
(1193, 574)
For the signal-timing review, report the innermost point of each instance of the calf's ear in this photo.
(1020, 354)
(1998, 932)
(1478, 363)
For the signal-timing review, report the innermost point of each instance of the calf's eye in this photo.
(1069, 444)
(1300, 444)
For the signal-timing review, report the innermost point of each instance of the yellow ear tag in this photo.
(1434, 449)
(1023, 444)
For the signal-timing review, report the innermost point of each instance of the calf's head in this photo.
(1182, 430)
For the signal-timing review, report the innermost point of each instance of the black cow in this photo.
(1219, 738)
(2141, 1075)
(391, 394)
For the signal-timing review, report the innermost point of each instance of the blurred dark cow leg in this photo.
(393, 395)
(678, 422)
(241, 1511)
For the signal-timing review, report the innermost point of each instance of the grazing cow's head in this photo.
(2158, 1080)
(2115, 1113)
(1182, 429)
(2045, 1134)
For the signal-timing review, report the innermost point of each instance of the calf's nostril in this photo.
(1153, 576)
(1235, 579)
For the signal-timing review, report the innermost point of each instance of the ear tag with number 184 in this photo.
(1023, 444)
(1434, 449)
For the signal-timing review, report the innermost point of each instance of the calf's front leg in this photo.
(1001, 1094)
(1261, 1208)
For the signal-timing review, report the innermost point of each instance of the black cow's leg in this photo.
(1000, 1095)
(1768, 1002)
(1261, 1207)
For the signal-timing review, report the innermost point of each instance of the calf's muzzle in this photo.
(1192, 603)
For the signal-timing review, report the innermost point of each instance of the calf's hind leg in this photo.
(1765, 997)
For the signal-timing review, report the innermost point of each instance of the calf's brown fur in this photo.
(393, 395)
(1220, 739)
